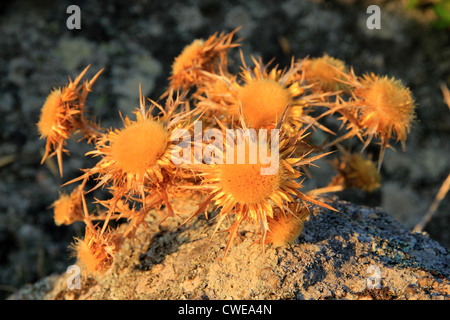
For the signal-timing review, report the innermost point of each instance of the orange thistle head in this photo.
(198, 57)
(357, 171)
(96, 251)
(62, 115)
(259, 97)
(380, 107)
(68, 207)
(326, 73)
(131, 147)
(136, 160)
(265, 95)
(284, 228)
(386, 107)
(241, 186)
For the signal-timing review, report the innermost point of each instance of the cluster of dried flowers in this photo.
(135, 162)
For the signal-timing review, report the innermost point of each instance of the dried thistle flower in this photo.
(325, 73)
(136, 160)
(200, 56)
(62, 114)
(356, 171)
(68, 207)
(285, 227)
(258, 97)
(265, 96)
(96, 251)
(243, 190)
(379, 108)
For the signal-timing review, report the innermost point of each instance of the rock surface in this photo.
(358, 253)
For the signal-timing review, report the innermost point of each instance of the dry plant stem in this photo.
(445, 185)
(326, 189)
(5, 160)
(432, 209)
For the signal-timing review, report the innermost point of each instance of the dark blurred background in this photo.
(136, 41)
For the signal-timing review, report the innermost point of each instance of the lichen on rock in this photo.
(358, 253)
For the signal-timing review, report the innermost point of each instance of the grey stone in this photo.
(356, 253)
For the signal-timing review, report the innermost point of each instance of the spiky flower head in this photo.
(201, 56)
(259, 97)
(285, 227)
(68, 207)
(136, 160)
(266, 94)
(325, 73)
(95, 253)
(386, 107)
(131, 149)
(244, 190)
(62, 114)
(380, 107)
(357, 171)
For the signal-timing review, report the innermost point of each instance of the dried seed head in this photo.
(379, 108)
(52, 114)
(200, 56)
(96, 251)
(136, 161)
(183, 67)
(267, 93)
(244, 181)
(326, 72)
(284, 228)
(358, 172)
(137, 155)
(258, 97)
(61, 209)
(137, 147)
(68, 208)
(387, 107)
(62, 115)
(58, 120)
(241, 189)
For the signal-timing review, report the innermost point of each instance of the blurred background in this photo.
(136, 41)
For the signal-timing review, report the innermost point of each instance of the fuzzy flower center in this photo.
(390, 107)
(263, 102)
(88, 258)
(284, 229)
(49, 112)
(187, 57)
(323, 70)
(138, 146)
(61, 209)
(246, 184)
(245, 181)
